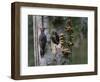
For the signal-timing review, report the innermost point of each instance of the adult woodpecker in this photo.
(42, 42)
(55, 38)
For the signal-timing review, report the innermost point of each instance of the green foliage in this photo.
(79, 24)
(79, 55)
(59, 21)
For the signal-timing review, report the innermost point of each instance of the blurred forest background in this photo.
(58, 23)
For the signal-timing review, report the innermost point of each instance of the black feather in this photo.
(42, 41)
(55, 38)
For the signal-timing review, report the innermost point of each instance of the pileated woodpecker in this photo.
(42, 41)
(55, 37)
